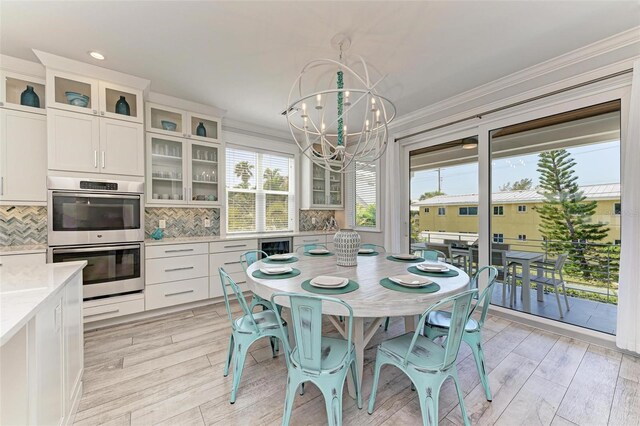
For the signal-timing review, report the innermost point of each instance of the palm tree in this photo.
(273, 181)
(244, 171)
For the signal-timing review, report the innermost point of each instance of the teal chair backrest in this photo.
(250, 257)
(226, 280)
(433, 255)
(307, 247)
(375, 247)
(484, 298)
(306, 317)
(459, 306)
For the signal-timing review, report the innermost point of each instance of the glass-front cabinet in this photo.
(176, 122)
(22, 92)
(322, 188)
(181, 172)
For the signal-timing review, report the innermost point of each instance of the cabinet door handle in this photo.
(235, 245)
(95, 111)
(232, 263)
(113, 311)
(103, 159)
(184, 268)
(101, 112)
(177, 250)
(95, 159)
(178, 292)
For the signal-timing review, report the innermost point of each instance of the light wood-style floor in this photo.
(168, 370)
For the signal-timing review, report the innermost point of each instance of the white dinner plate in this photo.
(276, 270)
(318, 251)
(326, 281)
(281, 256)
(431, 267)
(365, 251)
(410, 280)
(405, 256)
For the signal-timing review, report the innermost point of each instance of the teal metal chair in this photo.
(425, 362)
(324, 361)
(306, 247)
(247, 259)
(246, 329)
(439, 322)
(427, 254)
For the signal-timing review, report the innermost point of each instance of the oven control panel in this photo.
(102, 186)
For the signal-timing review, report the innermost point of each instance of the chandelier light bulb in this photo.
(319, 102)
(304, 112)
(373, 104)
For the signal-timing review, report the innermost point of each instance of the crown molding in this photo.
(255, 130)
(162, 99)
(9, 63)
(579, 56)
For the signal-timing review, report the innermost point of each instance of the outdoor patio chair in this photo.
(438, 323)
(247, 329)
(426, 363)
(550, 275)
(323, 361)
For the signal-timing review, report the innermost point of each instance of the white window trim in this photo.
(350, 199)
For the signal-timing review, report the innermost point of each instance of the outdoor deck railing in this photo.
(594, 277)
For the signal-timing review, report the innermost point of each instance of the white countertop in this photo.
(24, 249)
(24, 289)
(185, 240)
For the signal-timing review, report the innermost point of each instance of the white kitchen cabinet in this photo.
(226, 255)
(48, 372)
(11, 87)
(159, 117)
(182, 172)
(102, 96)
(111, 307)
(84, 143)
(23, 156)
(14, 375)
(121, 147)
(72, 342)
(322, 189)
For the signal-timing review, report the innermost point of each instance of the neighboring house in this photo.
(514, 215)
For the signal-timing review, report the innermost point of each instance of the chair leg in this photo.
(386, 324)
(558, 300)
(463, 409)
(290, 395)
(564, 292)
(237, 370)
(374, 386)
(274, 346)
(229, 356)
(357, 384)
(333, 403)
(428, 396)
(474, 341)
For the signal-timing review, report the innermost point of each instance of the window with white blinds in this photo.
(366, 195)
(260, 191)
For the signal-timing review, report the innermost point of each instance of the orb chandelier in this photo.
(335, 113)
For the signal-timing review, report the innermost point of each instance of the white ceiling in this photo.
(244, 56)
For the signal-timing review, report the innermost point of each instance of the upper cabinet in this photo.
(321, 188)
(179, 123)
(86, 95)
(23, 93)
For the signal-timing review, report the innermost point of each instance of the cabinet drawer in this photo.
(229, 261)
(176, 268)
(23, 259)
(309, 239)
(215, 286)
(175, 293)
(152, 252)
(96, 313)
(235, 245)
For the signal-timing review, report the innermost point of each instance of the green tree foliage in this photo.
(273, 180)
(523, 184)
(430, 194)
(566, 215)
(366, 215)
(244, 171)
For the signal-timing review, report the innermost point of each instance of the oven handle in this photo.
(93, 249)
(96, 195)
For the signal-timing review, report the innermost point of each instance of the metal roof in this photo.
(592, 192)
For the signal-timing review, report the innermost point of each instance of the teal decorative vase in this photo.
(200, 130)
(29, 98)
(158, 234)
(122, 107)
(347, 243)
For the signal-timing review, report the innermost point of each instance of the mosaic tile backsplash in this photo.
(23, 225)
(182, 222)
(321, 216)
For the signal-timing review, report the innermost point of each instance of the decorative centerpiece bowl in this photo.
(347, 244)
(169, 125)
(77, 99)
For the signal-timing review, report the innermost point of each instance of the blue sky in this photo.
(595, 164)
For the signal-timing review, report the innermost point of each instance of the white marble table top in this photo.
(23, 289)
(371, 299)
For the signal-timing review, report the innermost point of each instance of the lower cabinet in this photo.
(227, 256)
(176, 292)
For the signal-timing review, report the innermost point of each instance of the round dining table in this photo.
(370, 300)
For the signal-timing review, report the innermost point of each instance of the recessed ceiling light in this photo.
(96, 55)
(469, 143)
